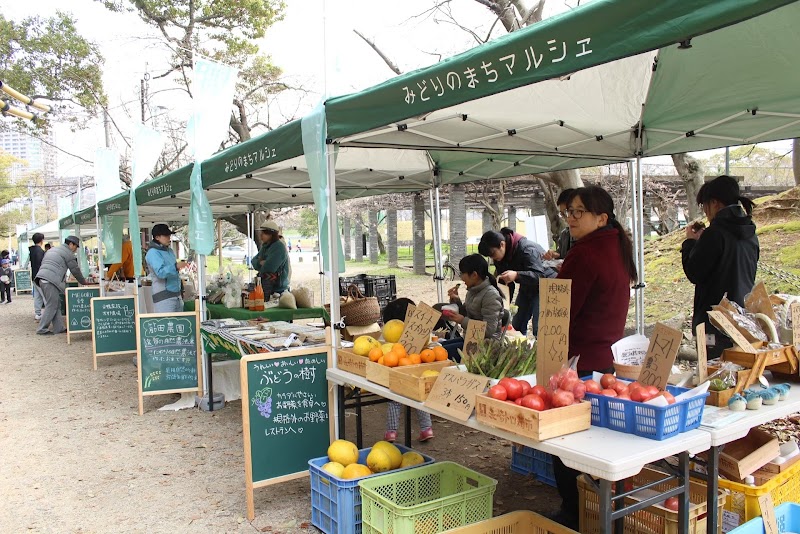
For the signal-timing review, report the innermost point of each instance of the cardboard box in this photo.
(350, 333)
(407, 380)
(531, 423)
(748, 454)
(351, 362)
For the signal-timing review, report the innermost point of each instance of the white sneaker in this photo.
(37, 318)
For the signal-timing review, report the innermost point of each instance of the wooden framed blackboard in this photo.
(79, 309)
(22, 281)
(113, 326)
(169, 354)
(287, 417)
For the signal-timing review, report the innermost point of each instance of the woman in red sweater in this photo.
(601, 267)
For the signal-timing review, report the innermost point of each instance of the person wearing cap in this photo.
(272, 260)
(164, 271)
(6, 280)
(51, 280)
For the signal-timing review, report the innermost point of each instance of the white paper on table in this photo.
(715, 417)
(630, 350)
(694, 392)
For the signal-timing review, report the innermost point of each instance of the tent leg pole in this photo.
(333, 265)
(201, 282)
(640, 250)
(250, 231)
(436, 220)
(219, 244)
(100, 274)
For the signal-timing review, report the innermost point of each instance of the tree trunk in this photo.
(512, 218)
(419, 234)
(381, 246)
(554, 222)
(796, 160)
(486, 220)
(567, 179)
(458, 223)
(373, 236)
(358, 235)
(391, 236)
(347, 237)
(240, 222)
(691, 172)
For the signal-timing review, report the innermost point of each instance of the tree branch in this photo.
(378, 51)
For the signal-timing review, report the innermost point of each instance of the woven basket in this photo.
(630, 372)
(358, 310)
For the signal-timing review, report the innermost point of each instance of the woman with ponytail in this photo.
(723, 258)
(601, 267)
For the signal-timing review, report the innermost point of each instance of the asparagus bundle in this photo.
(500, 358)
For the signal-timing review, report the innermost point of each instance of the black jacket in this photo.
(723, 261)
(525, 257)
(36, 255)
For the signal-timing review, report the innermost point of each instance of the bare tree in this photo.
(796, 160)
(691, 173)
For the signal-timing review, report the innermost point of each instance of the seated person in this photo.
(483, 301)
(123, 270)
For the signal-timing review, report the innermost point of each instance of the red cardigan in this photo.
(600, 297)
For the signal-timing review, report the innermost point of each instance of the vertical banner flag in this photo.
(106, 174)
(64, 208)
(213, 89)
(315, 132)
(147, 144)
(22, 244)
(112, 238)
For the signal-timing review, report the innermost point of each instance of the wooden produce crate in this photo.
(351, 362)
(533, 424)
(721, 398)
(783, 360)
(519, 522)
(407, 380)
(380, 373)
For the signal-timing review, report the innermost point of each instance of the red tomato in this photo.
(498, 392)
(608, 380)
(513, 388)
(619, 387)
(652, 391)
(533, 401)
(624, 395)
(609, 393)
(593, 387)
(633, 385)
(669, 396)
(637, 394)
(579, 391)
(542, 392)
(568, 383)
(562, 398)
(518, 401)
(526, 387)
(672, 504)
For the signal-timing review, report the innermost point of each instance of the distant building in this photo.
(38, 156)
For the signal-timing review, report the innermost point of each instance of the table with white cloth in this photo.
(599, 452)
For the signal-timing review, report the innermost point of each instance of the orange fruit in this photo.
(391, 359)
(404, 361)
(415, 359)
(375, 354)
(399, 349)
(380, 361)
(440, 353)
(427, 356)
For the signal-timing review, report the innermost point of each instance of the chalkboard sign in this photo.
(168, 354)
(22, 281)
(286, 415)
(79, 309)
(113, 326)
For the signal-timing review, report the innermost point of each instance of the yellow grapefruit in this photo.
(343, 451)
(392, 330)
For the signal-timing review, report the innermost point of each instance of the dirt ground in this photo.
(75, 456)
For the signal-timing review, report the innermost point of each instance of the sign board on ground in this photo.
(454, 392)
(113, 326)
(552, 350)
(168, 354)
(79, 309)
(286, 415)
(657, 365)
(22, 281)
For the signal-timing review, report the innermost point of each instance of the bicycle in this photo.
(449, 270)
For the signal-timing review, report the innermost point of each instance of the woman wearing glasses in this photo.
(601, 267)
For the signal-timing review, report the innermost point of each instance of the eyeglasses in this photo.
(574, 213)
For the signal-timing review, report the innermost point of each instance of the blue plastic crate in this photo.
(788, 519)
(528, 461)
(645, 420)
(336, 502)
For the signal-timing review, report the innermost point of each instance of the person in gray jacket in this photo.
(51, 280)
(483, 302)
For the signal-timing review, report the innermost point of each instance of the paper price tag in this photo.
(418, 327)
(768, 514)
(553, 336)
(796, 323)
(758, 301)
(702, 354)
(454, 392)
(409, 312)
(476, 332)
(722, 322)
(664, 345)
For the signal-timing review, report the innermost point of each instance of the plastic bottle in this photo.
(258, 297)
(750, 480)
(248, 300)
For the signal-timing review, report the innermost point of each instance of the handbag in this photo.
(356, 309)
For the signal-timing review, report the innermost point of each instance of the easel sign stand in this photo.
(78, 301)
(168, 354)
(22, 281)
(113, 326)
(287, 414)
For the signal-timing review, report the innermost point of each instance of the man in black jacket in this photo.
(721, 259)
(35, 259)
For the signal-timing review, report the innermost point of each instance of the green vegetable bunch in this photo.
(499, 358)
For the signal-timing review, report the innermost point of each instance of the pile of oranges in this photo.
(398, 357)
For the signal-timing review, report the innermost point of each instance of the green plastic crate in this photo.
(425, 500)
